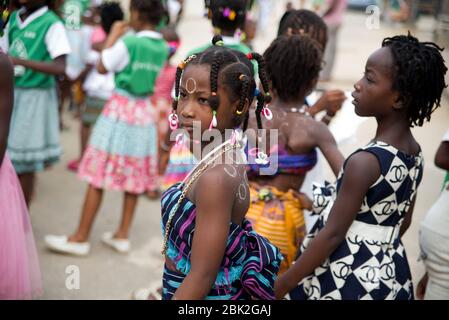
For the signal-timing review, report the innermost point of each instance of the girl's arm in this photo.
(6, 101)
(118, 29)
(407, 218)
(361, 171)
(214, 197)
(330, 100)
(165, 146)
(54, 67)
(324, 139)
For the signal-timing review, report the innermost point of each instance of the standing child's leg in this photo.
(90, 208)
(129, 206)
(27, 183)
(85, 134)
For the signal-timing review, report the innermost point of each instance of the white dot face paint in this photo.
(191, 85)
(231, 171)
(242, 191)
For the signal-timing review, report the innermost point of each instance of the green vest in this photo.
(29, 44)
(72, 13)
(147, 56)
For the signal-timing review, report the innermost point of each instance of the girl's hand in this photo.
(306, 202)
(333, 100)
(15, 61)
(422, 286)
(280, 290)
(118, 29)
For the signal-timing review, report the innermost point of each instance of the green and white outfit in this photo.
(72, 16)
(122, 150)
(33, 141)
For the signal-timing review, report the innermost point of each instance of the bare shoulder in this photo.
(223, 177)
(362, 166)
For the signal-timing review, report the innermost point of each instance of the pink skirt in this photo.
(122, 150)
(20, 276)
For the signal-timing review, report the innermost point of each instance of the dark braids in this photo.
(214, 99)
(243, 92)
(262, 74)
(293, 63)
(304, 22)
(418, 75)
(177, 83)
(259, 106)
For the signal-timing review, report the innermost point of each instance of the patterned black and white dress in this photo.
(371, 262)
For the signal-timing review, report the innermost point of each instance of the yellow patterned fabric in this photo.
(278, 217)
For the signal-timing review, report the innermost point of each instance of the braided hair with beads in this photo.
(227, 15)
(234, 70)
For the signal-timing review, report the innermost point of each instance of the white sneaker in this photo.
(62, 245)
(121, 245)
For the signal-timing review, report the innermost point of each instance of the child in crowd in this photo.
(292, 64)
(19, 266)
(354, 251)
(211, 251)
(70, 85)
(227, 18)
(37, 44)
(434, 237)
(176, 161)
(98, 87)
(122, 151)
(306, 22)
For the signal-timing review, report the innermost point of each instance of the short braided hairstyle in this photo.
(418, 75)
(293, 63)
(304, 22)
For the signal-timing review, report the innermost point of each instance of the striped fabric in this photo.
(285, 163)
(248, 269)
(278, 216)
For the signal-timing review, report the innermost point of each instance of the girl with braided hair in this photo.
(354, 251)
(306, 22)
(226, 17)
(209, 247)
(276, 209)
